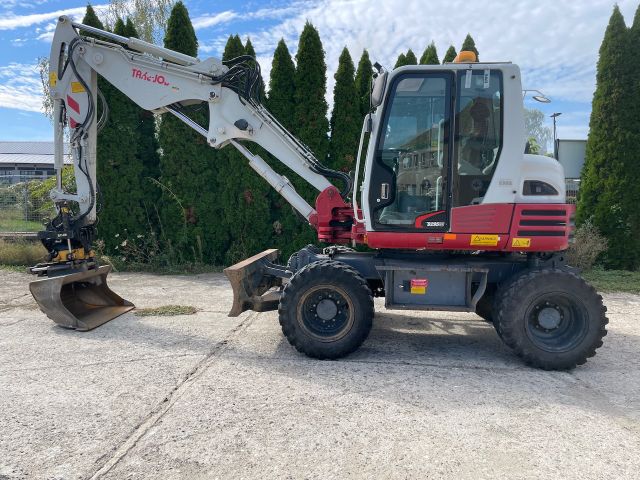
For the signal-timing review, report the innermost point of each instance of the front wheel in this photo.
(551, 318)
(326, 310)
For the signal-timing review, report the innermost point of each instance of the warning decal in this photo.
(419, 286)
(521, 242)
(482, 240)
(76, 87)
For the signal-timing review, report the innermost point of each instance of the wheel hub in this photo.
(326, 313)
(326, 309)
(549, 318)
(556, 322)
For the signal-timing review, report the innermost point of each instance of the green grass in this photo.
(21, 252)
(613, 280)
(166, 311)
(14, 268)
(177, 269)
(12, 220)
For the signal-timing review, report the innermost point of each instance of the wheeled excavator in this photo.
(455, 215)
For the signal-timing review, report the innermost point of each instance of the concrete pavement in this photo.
(429, 395)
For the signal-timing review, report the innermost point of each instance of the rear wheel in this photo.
(326, 310)
(551, 318)
(484, 307)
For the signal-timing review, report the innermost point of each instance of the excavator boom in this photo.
(72, 289)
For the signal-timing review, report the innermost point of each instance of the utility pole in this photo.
(555, 138)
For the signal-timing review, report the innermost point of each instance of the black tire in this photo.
(326, 310)
(484, 308)
(551, 318)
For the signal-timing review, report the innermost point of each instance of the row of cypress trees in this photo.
(430, 54)
(128, 155)
(609, 191)
(207, 205)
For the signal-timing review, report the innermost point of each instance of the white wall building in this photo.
(22, 161)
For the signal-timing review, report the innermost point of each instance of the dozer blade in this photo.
(250, 282)
(81, 301)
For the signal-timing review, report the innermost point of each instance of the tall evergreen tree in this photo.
(363, 82)
(345, 117)
(430, 55)
(410, 58)
(470, 45)
(311, 124)
(117, 170)
(401, 61)
(189, 210)
(281, 100)
(244, 197)
(287, 224)
(450, 56)
(147, 151)
(249, 50)
(91, 19)
(609, 190)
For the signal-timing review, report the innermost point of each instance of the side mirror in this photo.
(377, 92)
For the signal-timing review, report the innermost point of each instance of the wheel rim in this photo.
(556, 322)
(326, 313)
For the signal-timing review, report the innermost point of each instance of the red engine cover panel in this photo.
(499, 227)
(489, 218)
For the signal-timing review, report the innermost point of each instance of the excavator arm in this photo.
(164, 82)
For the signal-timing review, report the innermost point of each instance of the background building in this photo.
(571, 154)
(24, 161)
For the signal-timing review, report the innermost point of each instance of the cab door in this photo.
(409, 177)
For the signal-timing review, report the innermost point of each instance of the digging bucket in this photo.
(81, 301)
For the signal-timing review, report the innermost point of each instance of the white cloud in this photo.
(20, 87)
(206, 21)
(11, 21)
(46, 33)
(555, 43)
(211, 20)
(11, 4)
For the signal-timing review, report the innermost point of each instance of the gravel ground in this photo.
(429, 395)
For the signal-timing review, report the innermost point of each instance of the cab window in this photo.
(478, 139)
(412, 151)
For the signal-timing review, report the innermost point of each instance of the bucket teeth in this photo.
(81, 301)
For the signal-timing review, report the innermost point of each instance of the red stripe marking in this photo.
(75, 106)
(72, 123)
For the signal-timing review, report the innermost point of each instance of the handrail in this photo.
(357, 172)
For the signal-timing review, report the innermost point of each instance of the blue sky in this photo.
(555, 42)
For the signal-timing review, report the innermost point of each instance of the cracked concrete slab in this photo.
(429, 395)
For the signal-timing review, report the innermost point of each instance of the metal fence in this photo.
(24, 205)
(572, 188)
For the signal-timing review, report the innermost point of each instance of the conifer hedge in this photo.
(609, 191)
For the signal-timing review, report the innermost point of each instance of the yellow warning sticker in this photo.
(76, 87)
(419, 286)
(521, 242)
(53, 79)
(482, 240)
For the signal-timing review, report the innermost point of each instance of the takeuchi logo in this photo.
(149, 77)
